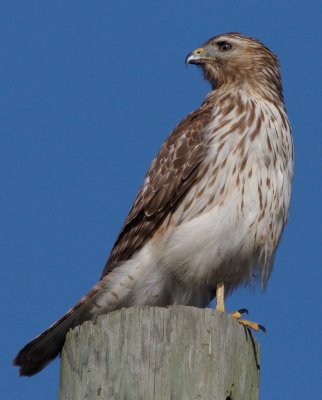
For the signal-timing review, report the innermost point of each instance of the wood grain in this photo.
(153, 353)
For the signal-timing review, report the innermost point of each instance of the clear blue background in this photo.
(88, 92)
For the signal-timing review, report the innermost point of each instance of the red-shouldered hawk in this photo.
(214, 202)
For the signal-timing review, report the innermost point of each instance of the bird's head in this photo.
(238, 60)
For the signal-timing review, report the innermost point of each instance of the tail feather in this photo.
(33, 357)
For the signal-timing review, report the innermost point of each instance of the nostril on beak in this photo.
(198, 51)
(195, 56)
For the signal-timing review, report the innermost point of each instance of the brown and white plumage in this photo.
(213, 204)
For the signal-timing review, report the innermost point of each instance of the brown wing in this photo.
(170, 176)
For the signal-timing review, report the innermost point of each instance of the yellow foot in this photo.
(249, 324)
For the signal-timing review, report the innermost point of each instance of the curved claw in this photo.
(254, 326)
(238, 313)
(248, 324)
(243, 311)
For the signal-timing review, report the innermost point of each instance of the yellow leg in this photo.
(220, 297)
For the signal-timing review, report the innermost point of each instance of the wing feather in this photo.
(170, 176)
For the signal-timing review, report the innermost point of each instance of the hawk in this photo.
(213, 205)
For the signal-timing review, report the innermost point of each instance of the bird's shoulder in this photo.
(169, 177)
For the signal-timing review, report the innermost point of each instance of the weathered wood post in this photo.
(153, 353)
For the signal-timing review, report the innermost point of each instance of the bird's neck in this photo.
(256, 82)
(247, 89)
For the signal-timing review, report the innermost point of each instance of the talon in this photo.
(248, 324)
(252, 325)
(243, 311)
(238, 313)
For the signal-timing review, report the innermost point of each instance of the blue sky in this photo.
(89, 90)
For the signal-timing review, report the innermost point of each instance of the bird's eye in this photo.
(224, 46)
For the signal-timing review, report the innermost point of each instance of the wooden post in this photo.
(153, 353)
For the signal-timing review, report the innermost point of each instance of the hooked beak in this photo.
(198, 56)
